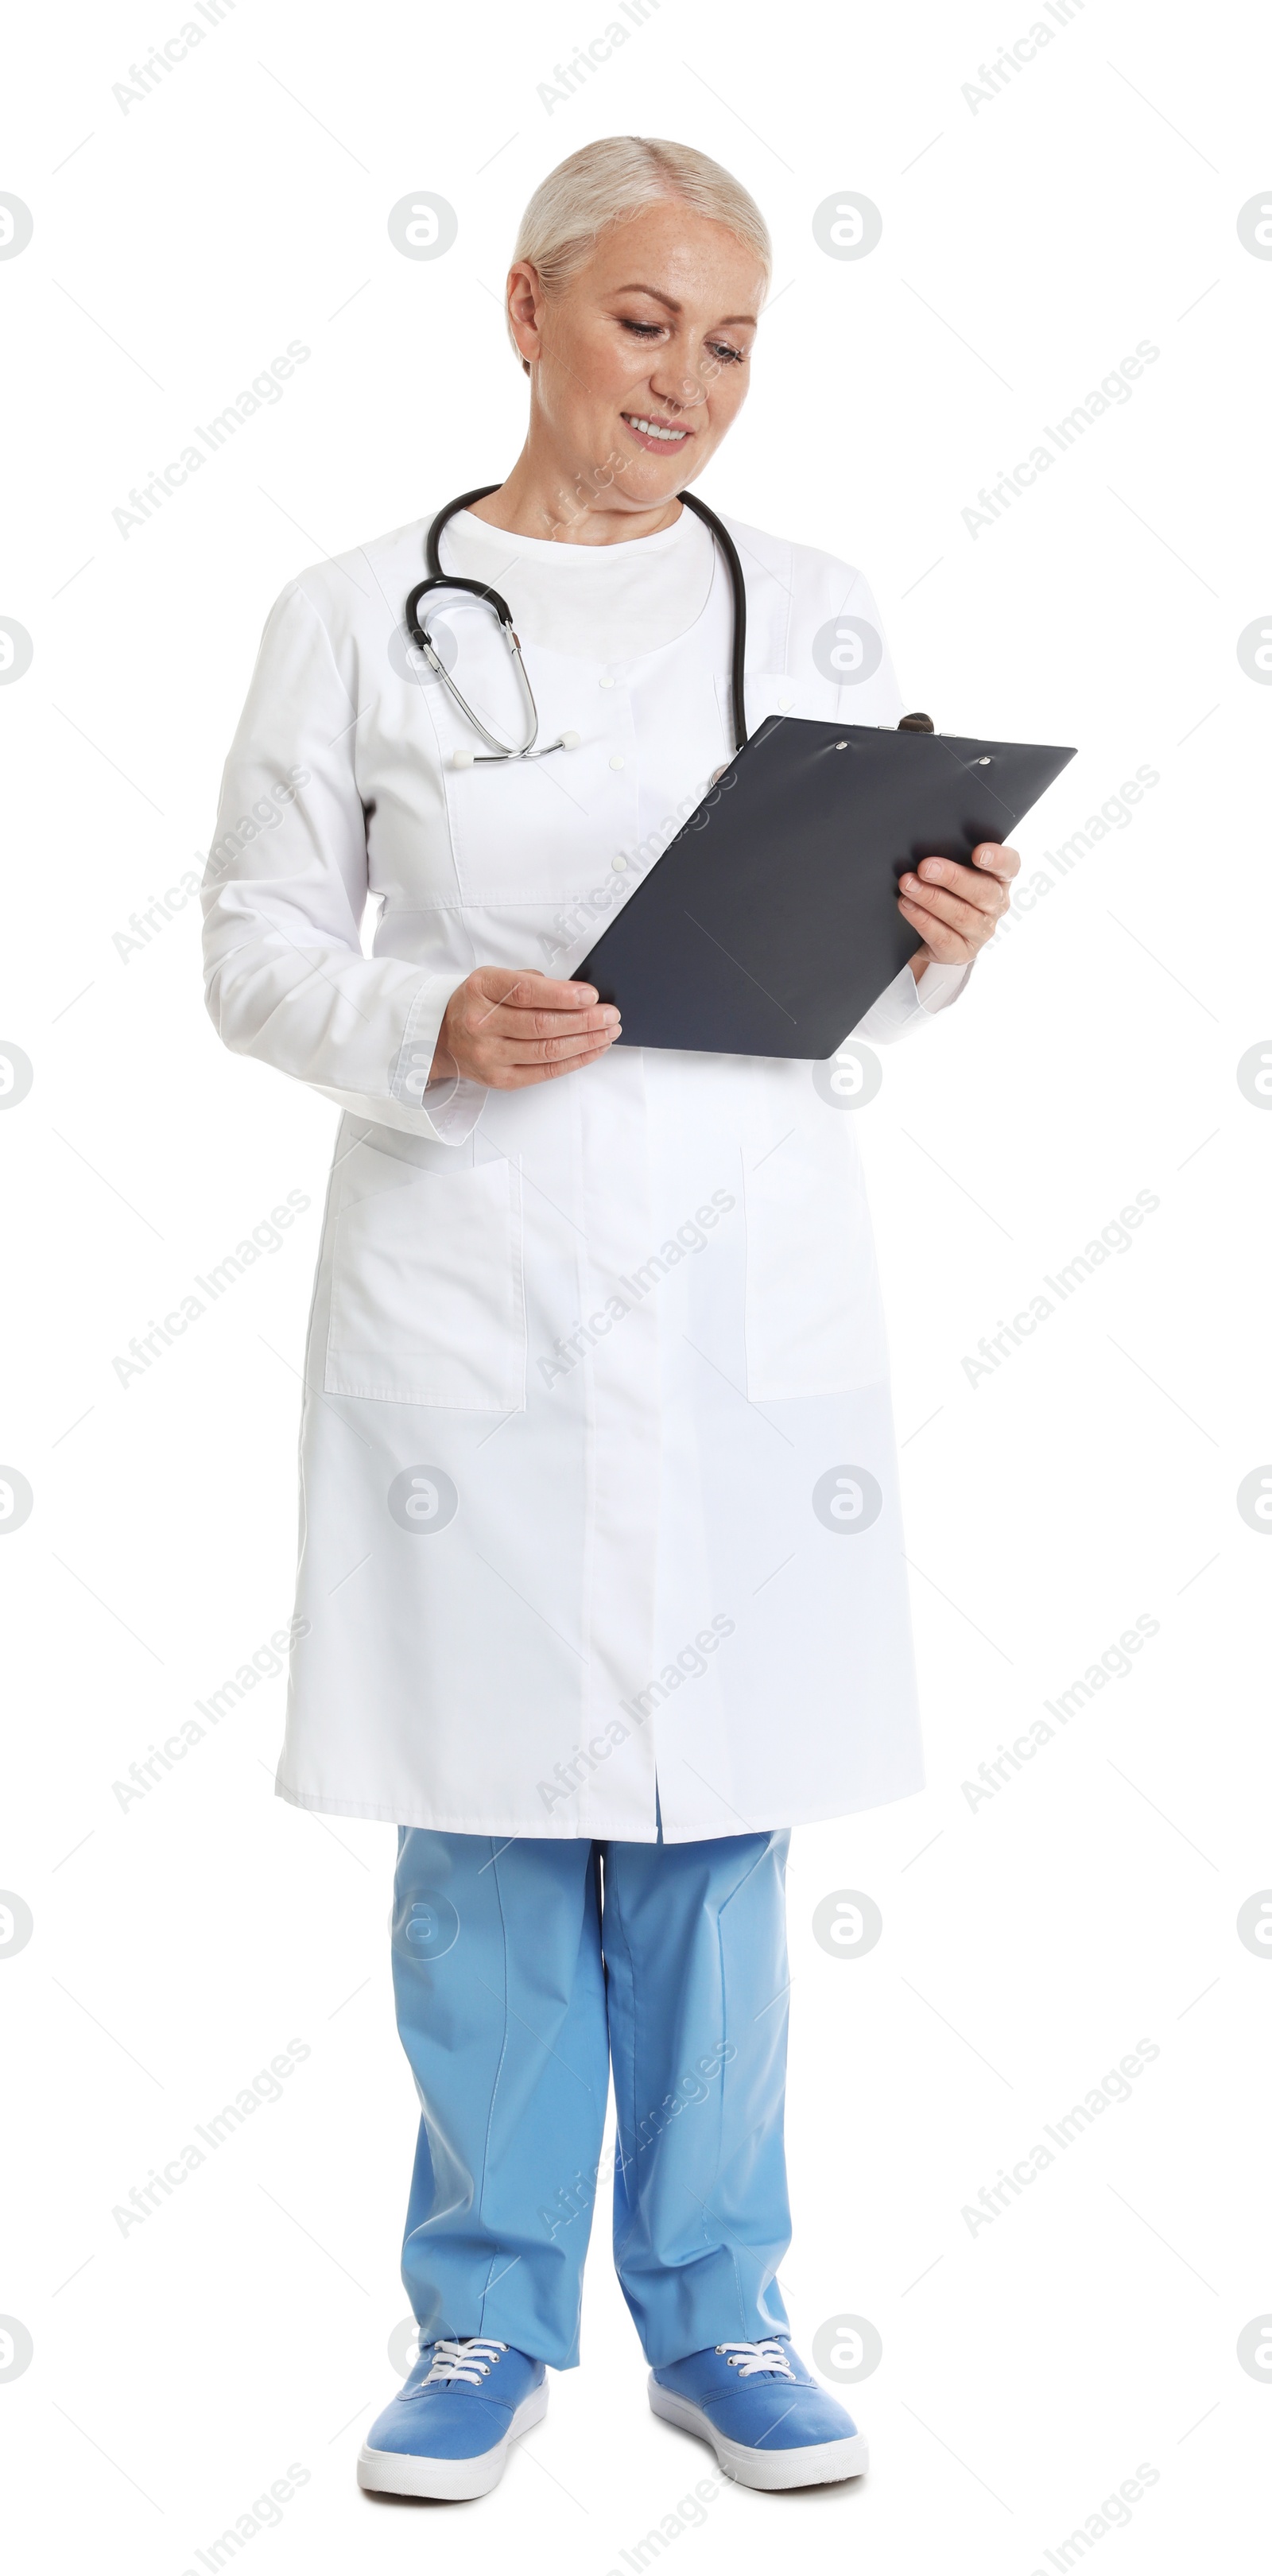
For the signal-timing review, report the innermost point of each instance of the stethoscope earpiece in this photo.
(533, 751)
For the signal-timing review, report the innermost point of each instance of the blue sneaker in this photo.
(767, 2420)
(448, 2431)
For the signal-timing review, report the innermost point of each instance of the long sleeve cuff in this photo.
(443, 1112)
(447, 1111)
(938, 986)
(904, 1006)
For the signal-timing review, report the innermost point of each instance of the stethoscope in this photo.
(532, 748)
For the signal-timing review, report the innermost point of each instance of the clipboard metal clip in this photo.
(923, 724)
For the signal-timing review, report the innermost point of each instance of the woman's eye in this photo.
(644, 330)
(729, 357)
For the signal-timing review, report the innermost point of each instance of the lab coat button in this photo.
(618, 866)
(617, 761)
(784, 705)
(607, 680)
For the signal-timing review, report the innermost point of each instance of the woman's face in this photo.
(641, 363)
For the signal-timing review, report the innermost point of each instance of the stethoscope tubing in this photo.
(436, 580)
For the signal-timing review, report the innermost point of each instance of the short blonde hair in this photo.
(609, 181)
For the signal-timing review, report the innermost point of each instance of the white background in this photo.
(1029, 1942)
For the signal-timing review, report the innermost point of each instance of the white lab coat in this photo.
(585, 1360)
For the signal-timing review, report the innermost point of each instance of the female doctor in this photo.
(596, 1386)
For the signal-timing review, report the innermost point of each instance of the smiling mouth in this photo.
(664, 431)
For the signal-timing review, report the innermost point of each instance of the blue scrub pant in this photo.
(523, 1971)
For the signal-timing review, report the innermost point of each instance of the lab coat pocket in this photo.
(427, 1298)
(814, 1323)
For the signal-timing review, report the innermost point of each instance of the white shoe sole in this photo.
(814, 2464)
(408, 2473)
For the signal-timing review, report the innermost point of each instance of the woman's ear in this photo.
(525, 306)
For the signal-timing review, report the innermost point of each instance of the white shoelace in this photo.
(747, 2358)
(468, 2359)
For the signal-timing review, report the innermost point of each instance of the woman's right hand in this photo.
(506, 1029)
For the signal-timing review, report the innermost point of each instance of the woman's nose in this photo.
(679, 386)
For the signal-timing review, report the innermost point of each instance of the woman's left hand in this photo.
(956, 909)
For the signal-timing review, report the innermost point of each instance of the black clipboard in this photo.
(769, 924)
